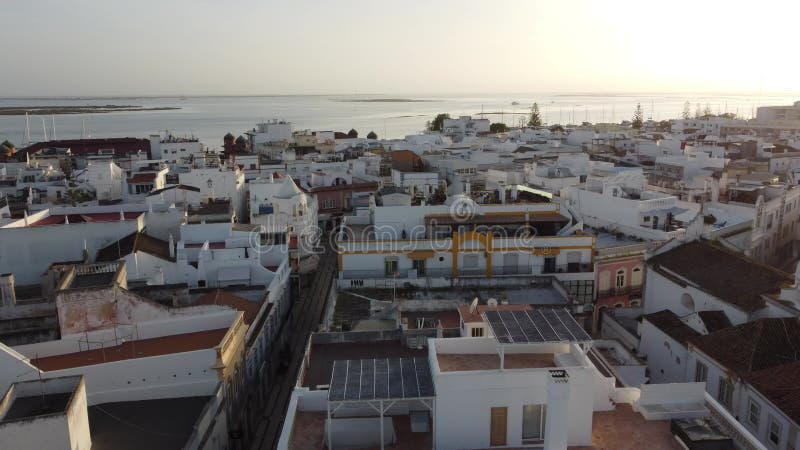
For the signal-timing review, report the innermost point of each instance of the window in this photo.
(477, 332)
(700, 372)
(725, 391)
(329, 203)
(419, 266)
(647, 219)
(620, 279)
(636, 276)
(774, 432)
(533, 419)
(390, 267)
(753, 413)
(471, 261)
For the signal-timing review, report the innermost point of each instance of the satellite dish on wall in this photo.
(473, 306)
(491, 302)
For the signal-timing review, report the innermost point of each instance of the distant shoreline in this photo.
(92, 109)
(381, 100)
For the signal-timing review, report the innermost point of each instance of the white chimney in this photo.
(557, 422)
(7, 295)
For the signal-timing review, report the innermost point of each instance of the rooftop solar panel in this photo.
(380, 379)
(535, 326)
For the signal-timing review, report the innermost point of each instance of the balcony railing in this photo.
(568, 268)
(511, 270)
(613, 292)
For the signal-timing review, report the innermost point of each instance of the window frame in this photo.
(697, 366)
(542, 424)
(770, 422)
(750, 404)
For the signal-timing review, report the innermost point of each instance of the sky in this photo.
(261, 47)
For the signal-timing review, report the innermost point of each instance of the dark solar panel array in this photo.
(380, 379)
(540, 325)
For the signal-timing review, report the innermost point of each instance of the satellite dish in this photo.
(491, 302)
(473, 306)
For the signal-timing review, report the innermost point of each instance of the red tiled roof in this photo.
(224, 298)
(779, 385)
(82, 147)
(753, 346)
(725, 274)
(164, 345)
(142, 178)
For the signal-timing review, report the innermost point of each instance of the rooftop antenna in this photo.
(27, 130)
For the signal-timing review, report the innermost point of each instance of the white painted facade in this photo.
(424, 183)
(219, 182)
(27, 251)
(666, 357)
(106, 178)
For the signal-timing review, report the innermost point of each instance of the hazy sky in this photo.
(216, 47)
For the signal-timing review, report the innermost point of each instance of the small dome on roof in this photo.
(288, 189)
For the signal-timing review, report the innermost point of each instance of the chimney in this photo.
(556, 424)
(171, 246)
(7, 295)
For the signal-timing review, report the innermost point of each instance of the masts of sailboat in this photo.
(44, 129)
(27, 130)
(83, 130)
(53, 134)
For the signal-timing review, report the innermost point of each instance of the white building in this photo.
(219, 183)
(494, 391)
(279, 207)
(464, 126)
(416, 183)
(174, 149)
(779, 116)
(748, 370)
(434, 245)
(272, 132)
(699, 276)
(30, 245)
(620, 203)
(60, 422)
(105, 178)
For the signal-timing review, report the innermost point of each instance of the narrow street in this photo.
(304, 318)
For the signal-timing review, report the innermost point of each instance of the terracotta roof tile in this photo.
(164, 345)
(724, 274)
(779, 385)
(672, 325)
(754, 345)
(221, 297)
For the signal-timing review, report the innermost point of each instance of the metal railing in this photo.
(629, 290)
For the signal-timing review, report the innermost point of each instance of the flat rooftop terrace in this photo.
(164, 345)
(320, 366)
(162, 424)
(625, 429)
(38, 405)
(451, 362)
(308, 433)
